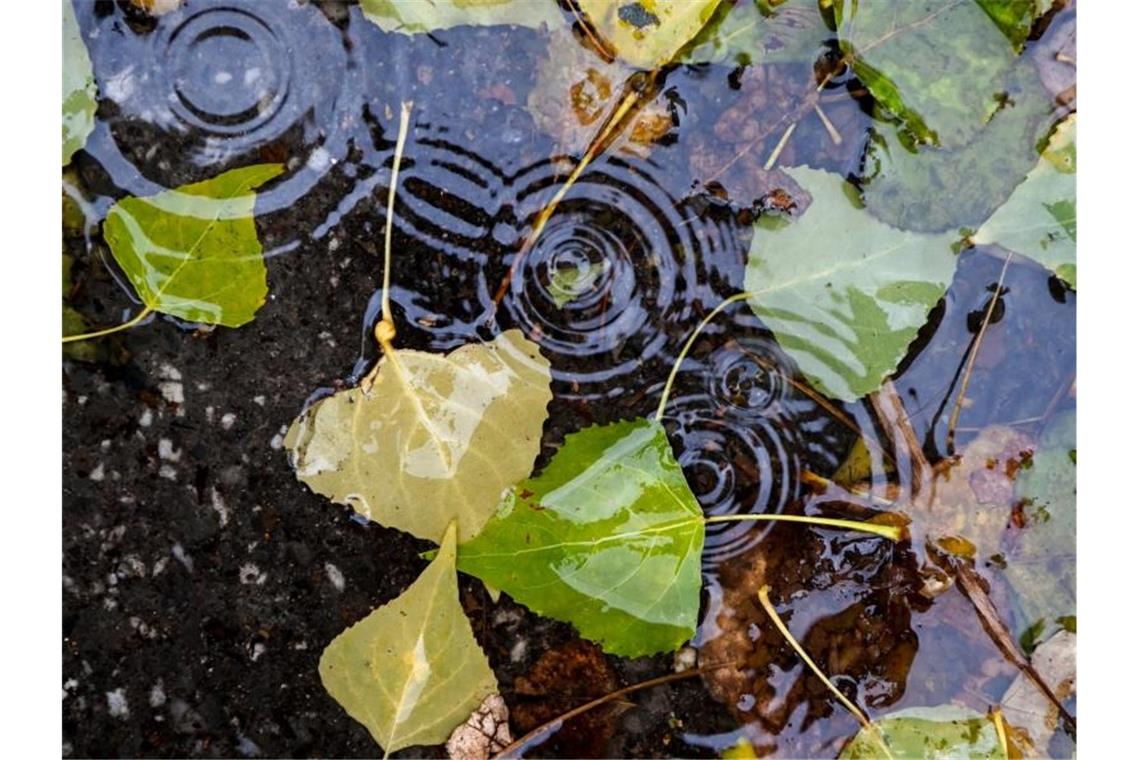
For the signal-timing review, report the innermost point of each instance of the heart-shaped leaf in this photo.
(928, 733)
(647, 33)
(844, 293)
(418, 16)
(435, 437)
(78, 86)
(193, 252)
(1040, 218)
(411, 671)
(608, 537)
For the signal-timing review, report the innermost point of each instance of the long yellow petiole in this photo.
(892, 532)
(108, 331)
(864, 721)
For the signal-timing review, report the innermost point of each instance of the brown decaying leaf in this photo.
(486, 732)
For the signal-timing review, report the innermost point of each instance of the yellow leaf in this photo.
(647, 33)
(411, 671)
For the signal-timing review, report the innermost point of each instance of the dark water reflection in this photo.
(630, 262)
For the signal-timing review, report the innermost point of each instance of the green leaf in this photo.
(567, 283)
(929, 733)
(1041, 565)
(608, 538)
(930, 189)
(844, 293)
(411, 671)
(1040, 219)
(418, 16)
(435, 438)
(193, 252)
(756, 31)
(78, 86)
(936, 64)
(647, 33)
(1013, 17)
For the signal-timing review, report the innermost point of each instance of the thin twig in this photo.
(973, 357)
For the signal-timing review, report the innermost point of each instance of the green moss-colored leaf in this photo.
(929, 733)
(932, 189)
(648, 33)
(844, 293)
(435, 438)
(608, 537)
(1040, 218)
(1042, 557)
(418, 16)
(934, 63)
(567, 283)
(411, 671)
(193, 252)
(1013, 17)
(760, 31)
(78, 86)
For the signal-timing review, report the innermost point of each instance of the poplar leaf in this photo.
(420, 16)
(411, 671)
(78, 86)
(929, 733)
(647, 33)
(193, 252)
(436, 437)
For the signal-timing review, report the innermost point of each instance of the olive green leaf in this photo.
(1041, 563)
(844, 293)
(411, 671)
(418, 16)
(608, 537)
(929, 733)
(936, 64)
(760, 31)
(569, 282)
(1015, 17)
(78, 86)
(435, 437)
(193, 252)
(931, 189)
(1040, 218)
(647, 33)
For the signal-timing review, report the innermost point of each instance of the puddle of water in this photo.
(633, 258)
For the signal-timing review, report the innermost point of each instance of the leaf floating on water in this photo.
(411, 671)
(929, 733)
(436, 437)
(760, 31)
(608, 537)
(936, 64)
(1040, 219)
(78, 86)
(1015, 17)
(193, 252)
(844, 293)
(647, 33)
(419, 16)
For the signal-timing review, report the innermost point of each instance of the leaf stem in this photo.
(108, 331)
(893, 532)
(385, 307)
(766, 603)
(689, 344)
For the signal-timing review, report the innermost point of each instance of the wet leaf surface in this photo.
(608, 537)
(647, 33)
(845, 314)
(436, 437)
(1034, 721)
(749, 32)
(419, 17)
(1039, 220)
(193, 252)
(78, 86)
(929, 733)
(411, 671)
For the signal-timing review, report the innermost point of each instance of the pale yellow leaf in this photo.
(411, 671)
(436, 437)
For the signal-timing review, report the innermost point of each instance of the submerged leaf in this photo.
(435, 438)
(1014, 17)
(608, 537)
(1040, 219)
(647, 33)
(931, 189)
(418, 16)
(78, 86)
(760, 31)
(193, 252)
(411, 671)
(929, 733)
(844, 293)
(936, 64)
(1033, 717)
